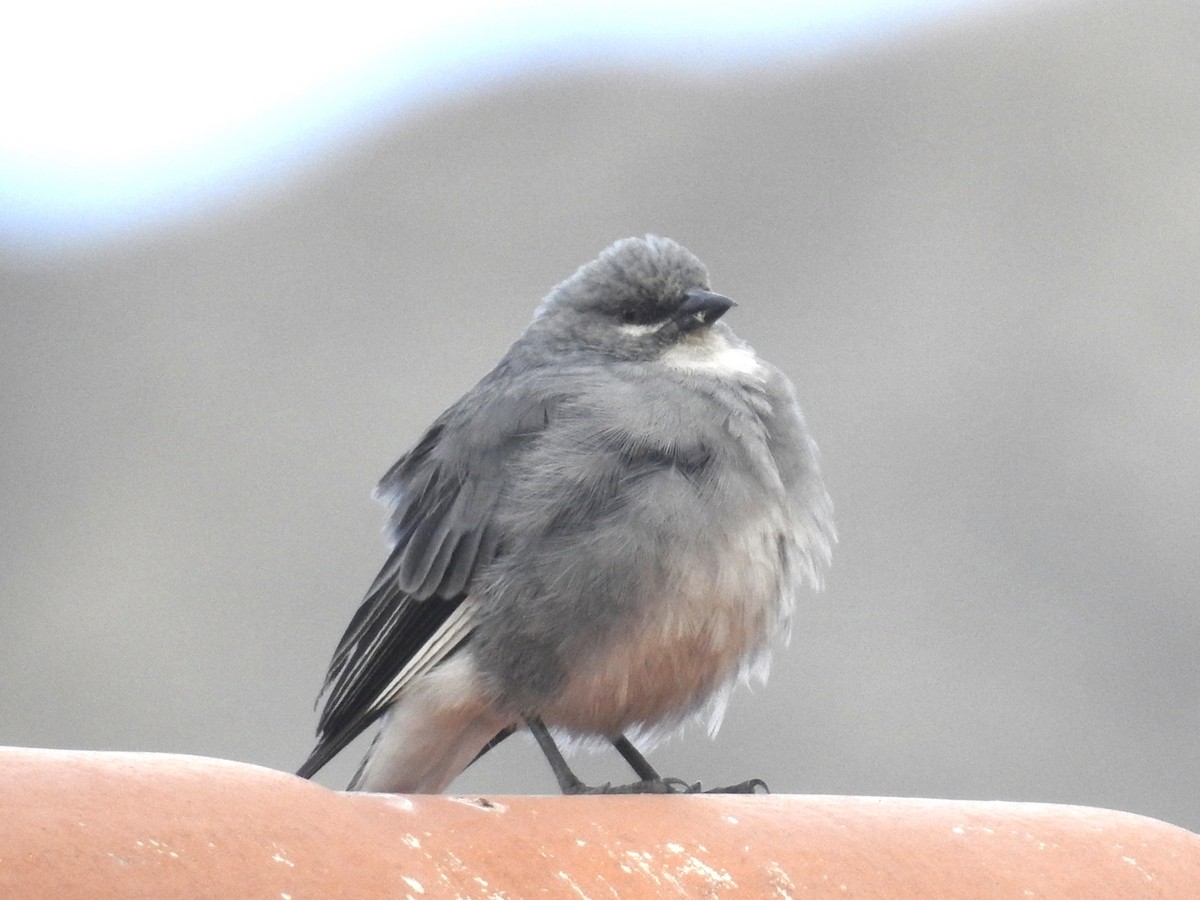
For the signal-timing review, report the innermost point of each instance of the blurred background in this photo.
(244, 260)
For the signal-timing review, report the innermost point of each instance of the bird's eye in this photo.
(629, 315)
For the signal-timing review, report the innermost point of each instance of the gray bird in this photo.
(602, 537)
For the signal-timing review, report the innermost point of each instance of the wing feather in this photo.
(442, 496)
(450, 634)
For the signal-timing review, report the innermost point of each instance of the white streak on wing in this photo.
(362, 655)
(437, 725)
(454, 629)
(714, 354)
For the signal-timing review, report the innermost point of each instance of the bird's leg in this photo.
(569, 782)
(633, 756)
(647, 772)
(641, 766)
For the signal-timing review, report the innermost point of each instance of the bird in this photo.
(597, 542)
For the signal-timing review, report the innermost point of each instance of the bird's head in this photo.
(637, 300)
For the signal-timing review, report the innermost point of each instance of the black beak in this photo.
(702, 308)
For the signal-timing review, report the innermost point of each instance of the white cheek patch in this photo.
(715, 355)
(640, 330)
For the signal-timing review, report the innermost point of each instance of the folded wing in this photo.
(442, 495)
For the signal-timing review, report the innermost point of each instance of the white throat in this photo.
(713, 353)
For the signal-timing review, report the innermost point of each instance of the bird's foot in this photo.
(649, 786)
(670, 786)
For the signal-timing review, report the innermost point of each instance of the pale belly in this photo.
(713, 622)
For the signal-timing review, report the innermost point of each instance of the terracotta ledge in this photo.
(99, 825)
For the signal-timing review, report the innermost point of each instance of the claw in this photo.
(753, 786)
(679, 786)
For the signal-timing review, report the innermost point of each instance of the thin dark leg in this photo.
(651, 783)
(647, 772)
(568, 781)
(636, 761)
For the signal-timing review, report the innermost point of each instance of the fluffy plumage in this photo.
(605, 533)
